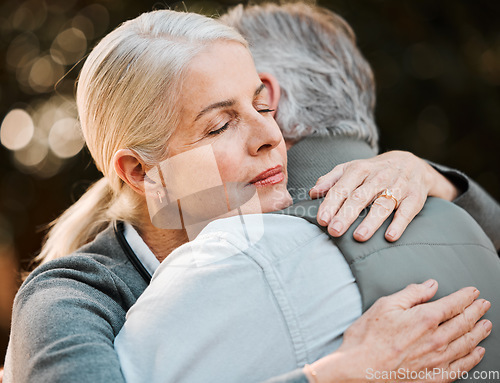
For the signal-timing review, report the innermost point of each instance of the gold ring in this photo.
(388, 194)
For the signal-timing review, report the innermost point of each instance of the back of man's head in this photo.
(327, 86)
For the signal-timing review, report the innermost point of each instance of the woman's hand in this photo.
(352, 186)
(401, 333)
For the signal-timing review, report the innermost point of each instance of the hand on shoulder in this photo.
(402, 333)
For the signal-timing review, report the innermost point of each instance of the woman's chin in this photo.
(275, 203)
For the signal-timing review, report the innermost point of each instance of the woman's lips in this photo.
(271, 176)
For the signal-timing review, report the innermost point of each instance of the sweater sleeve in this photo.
(65, 318)
(476, 201)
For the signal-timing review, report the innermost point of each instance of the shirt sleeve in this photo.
(65, 318)
(476, 201)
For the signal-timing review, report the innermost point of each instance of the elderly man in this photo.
(325, 110)
(262, 308)
(327, 107)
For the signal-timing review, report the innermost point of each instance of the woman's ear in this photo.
(273, 89)
(130, 168)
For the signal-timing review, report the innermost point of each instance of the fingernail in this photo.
(476, 293)
(481, 351)
(362, 231)
(487, 304)
(487, 325)
(392, 233)
(317, 186)
(430, 283)
(337, 226)
(324, 218)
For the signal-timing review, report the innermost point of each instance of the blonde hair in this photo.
(127, 98)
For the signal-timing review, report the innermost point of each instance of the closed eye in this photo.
(220, 130)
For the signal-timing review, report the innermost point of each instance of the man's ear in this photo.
(273, 89)
(130, 168)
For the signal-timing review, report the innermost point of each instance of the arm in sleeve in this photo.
(476, 201)
(64, 323)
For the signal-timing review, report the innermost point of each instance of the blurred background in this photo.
(437, 66)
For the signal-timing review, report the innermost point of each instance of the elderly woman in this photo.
(194, 328)
(172, 109)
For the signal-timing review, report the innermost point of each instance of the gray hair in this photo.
(327, 85)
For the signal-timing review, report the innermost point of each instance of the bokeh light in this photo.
(44, 73)
(46, 39)
(16, 130)
(98, 14)
(69, 46)
(22, 50)
(84, 24)
(29, 16)
(65, 139)
(34, 153)
(43, 138)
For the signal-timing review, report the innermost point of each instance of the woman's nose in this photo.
(264, 135)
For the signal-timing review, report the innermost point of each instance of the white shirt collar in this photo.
(141, 250)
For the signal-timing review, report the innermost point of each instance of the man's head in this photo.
(327, 86)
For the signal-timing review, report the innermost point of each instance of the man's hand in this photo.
(401, 333)
(352, 186)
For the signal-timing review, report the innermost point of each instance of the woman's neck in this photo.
(162, 241)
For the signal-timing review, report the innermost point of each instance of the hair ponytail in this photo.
(79, 224)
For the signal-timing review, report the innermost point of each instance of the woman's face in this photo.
(227, 136)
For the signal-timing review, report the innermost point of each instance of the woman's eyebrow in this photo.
(226, 103)
(217, 105)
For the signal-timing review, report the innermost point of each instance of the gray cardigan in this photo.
(68, 312)
(315, 156)
(442, 242)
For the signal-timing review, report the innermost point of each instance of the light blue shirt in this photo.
(251, 297)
